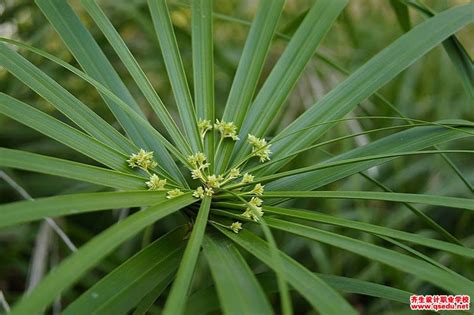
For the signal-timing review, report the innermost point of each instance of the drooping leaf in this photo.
(123, 288)
(73, 267)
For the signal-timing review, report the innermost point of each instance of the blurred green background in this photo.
(429, 90)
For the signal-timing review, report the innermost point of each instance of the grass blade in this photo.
(455, 50)
(136, 72)
(288, 69)
(73, 267)
(58, 167)
(85, 50)
(433, 200)
(167, 164)
(238, 290)
(64, 101)
(372, 76)
(27, 211)
(123, 288)
(203, 67)
(409, 140)
(373, 229)
(403, 16)
(174, 66)
(205, 301)
(449, 281)
(176, 302)
(57, 130)
(321, 296)
(250, 66)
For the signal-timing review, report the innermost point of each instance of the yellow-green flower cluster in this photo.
(254, 210)
(199, 164)
(204, 126)
(174, 193)
(201, 192)
(236, 226)
(260, 147)
(143, 160)
(226, 129)
(155, 183)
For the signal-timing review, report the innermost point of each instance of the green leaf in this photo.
(238, 290)
(137, 73)
(76, 265)
(455, 50)
(64, 101)
(370, 77)
(203, 68)
(451, 282)
(440, 201)
(58, 167)
(403, 16)
(85, 50)
(321, 296)
(124, 287)
(176, 302)
(373, 229)
(168, 164)
(250, 67)
(287, 71)
(174, 66)
(409, 140)
(54, 128)
(205, 301)
(28, 210)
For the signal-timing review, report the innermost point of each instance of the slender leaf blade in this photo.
(449, 281)
(174, 66)
(176, 302)
(123, 288)
(321, 296)
(370, 77)
(28, 210)
(73, 267)
(78, 171)
(237, 288)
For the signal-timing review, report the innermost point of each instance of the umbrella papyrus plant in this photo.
(232, 178)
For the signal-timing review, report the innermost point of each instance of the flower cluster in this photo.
(204, 126)
(211, 184)
(254, 210)
(174, 193)
(260, 147)
(155, 183)
(226, 129)
(143, 160)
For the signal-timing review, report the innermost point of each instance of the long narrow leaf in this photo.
(64, 101)
(26, 211)
(136, 72)
(174, 66)
(373, 229)
(33, 118)
(449, 281)
(72, 268)
(176, 302)
(78, 171)
(237, 288)
(372, 76)
(321, 296)
(288, 69)
(250, 66)
(409, 140)
(123, 288)
(441, 201)
(203, 68)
